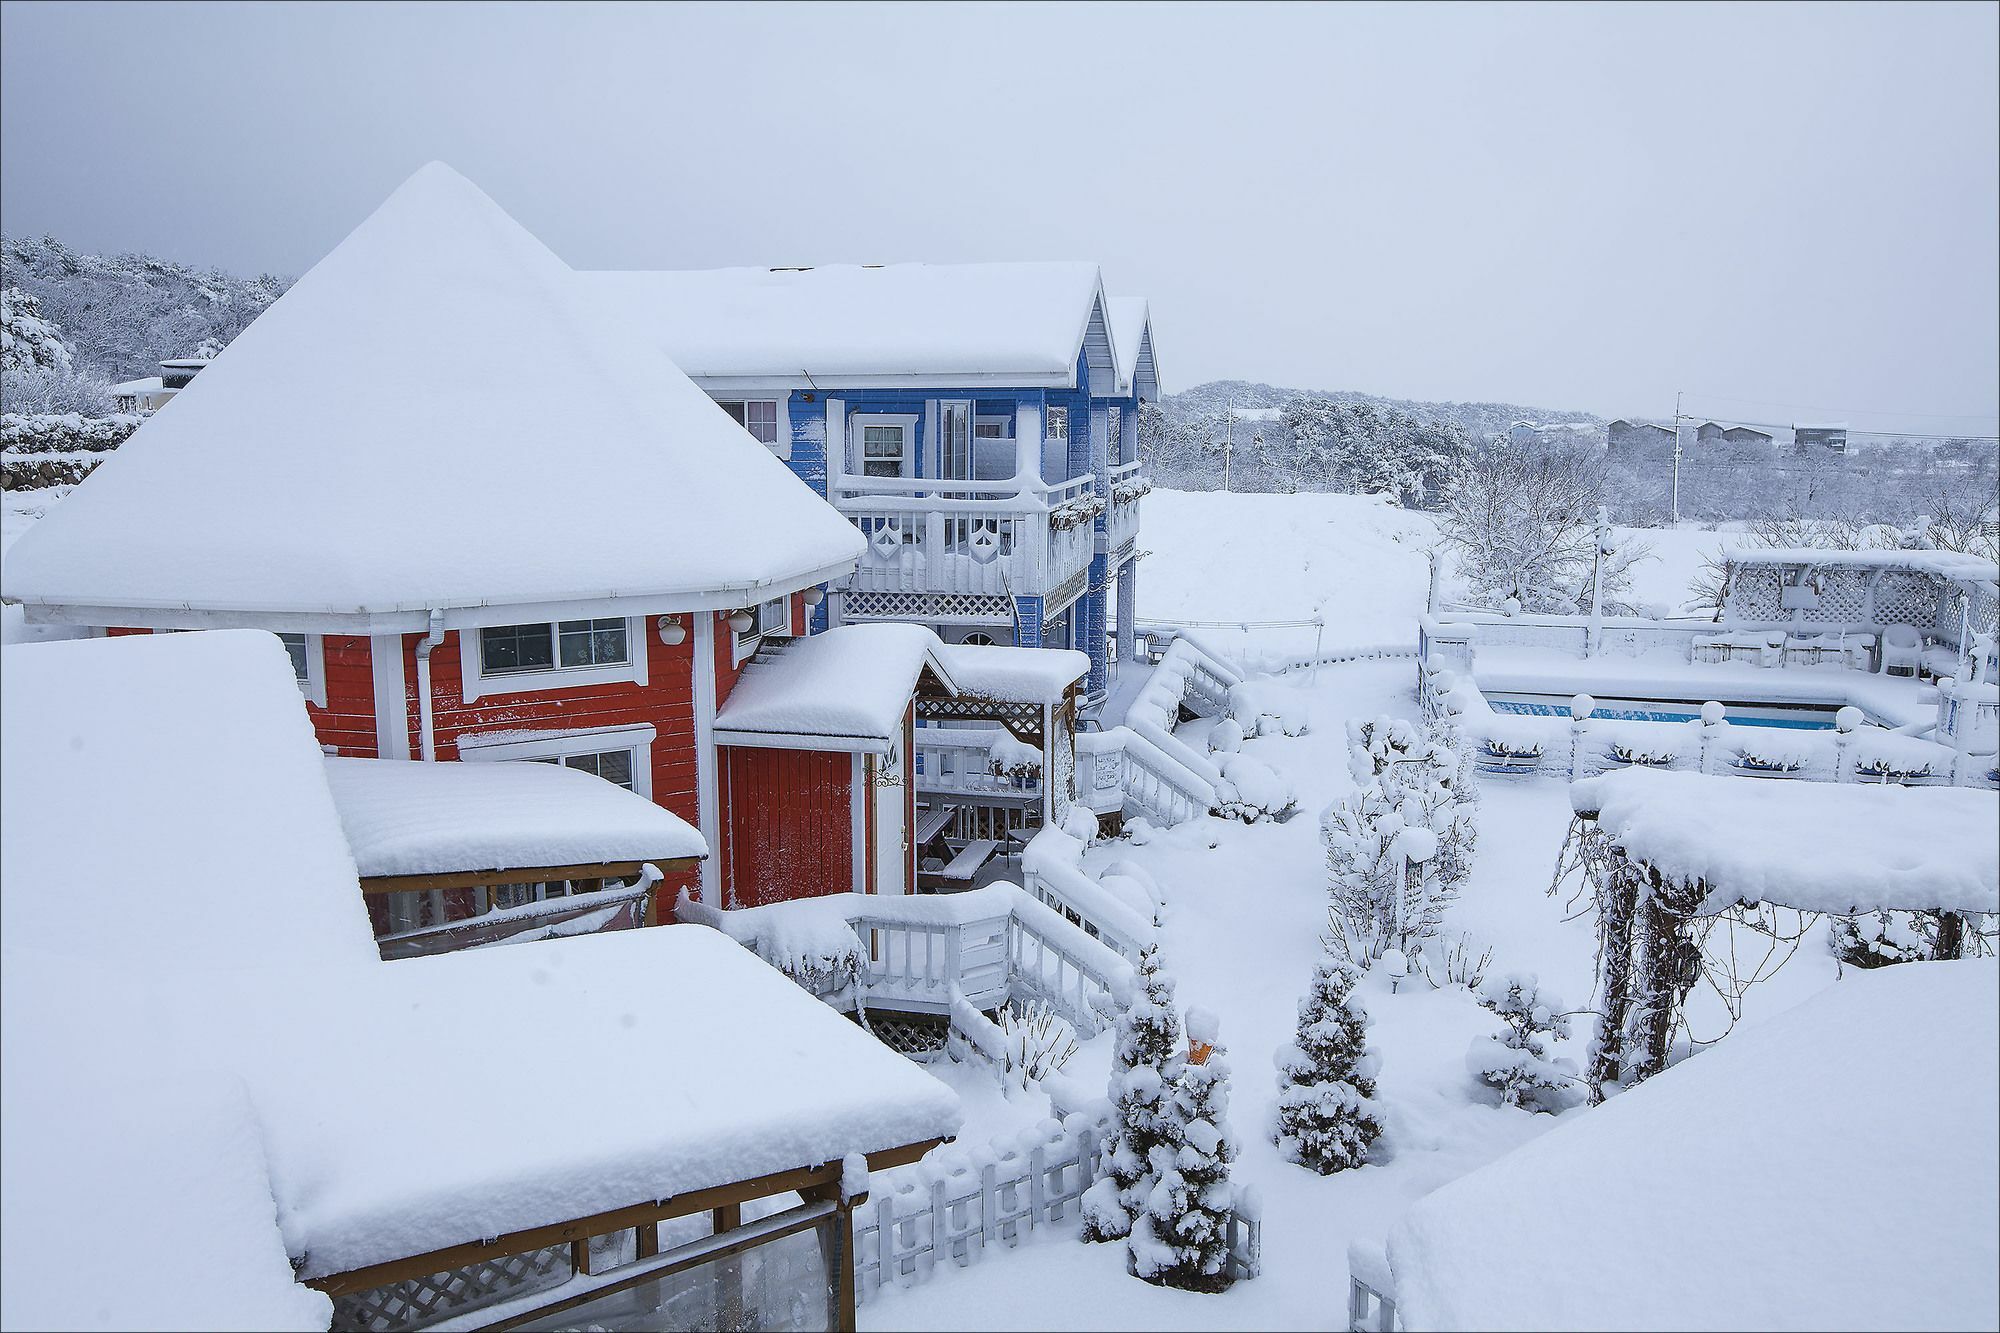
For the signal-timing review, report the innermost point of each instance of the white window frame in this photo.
(314, 684)
(476, 684)
(1051, 415)
(782, 446)
(1003, 426)
(858, 424)
(508, 746)
(744, 646)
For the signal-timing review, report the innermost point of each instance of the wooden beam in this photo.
(479, 879)
(597, 1224)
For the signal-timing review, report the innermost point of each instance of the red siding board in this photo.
(790, 834)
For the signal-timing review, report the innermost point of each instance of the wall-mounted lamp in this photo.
(672, 631)
(741, 621)
(815, 595)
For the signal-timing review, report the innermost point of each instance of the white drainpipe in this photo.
(424, 646)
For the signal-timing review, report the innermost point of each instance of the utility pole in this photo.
(1228, 439)
(1676, 504)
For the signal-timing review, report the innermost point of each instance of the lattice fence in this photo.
(1755, 594)
(418, 1301)
(1906, 597)
(928, 606)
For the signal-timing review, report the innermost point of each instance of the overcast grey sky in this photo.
(1788, 211)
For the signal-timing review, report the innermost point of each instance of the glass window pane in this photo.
(295, 645)
(735, 411)
(616, 766)
(505, 648)
(761, 420)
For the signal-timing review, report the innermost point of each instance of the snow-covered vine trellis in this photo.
(1666, 856)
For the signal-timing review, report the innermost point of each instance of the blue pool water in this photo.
(1646, 710)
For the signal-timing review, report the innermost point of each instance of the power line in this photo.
(1857, 411)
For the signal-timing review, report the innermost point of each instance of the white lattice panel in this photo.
(435, 1296)
(1905, 597)
(1754, 595)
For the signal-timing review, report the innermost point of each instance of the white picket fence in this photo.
(920, 1216)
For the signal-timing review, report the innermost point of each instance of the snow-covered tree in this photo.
(1521, 523)
(1180, 1237)
(1412, 794)
(1326, 1116)
(1145, 1064)
(1517, 1061)
(28, 341)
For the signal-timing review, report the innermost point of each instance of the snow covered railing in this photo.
(1121, 769)
(620, 908)
(1370, 1307)
(928, 534)
(915, 953)
(1052, 871)
(962, 761)
(961, 1203)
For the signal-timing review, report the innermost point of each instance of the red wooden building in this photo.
(508, 528)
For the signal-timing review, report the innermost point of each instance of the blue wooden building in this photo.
(978, 422)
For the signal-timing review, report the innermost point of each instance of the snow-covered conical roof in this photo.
(433, 417)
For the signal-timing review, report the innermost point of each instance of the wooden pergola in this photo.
(592, 888)
(414, 1291)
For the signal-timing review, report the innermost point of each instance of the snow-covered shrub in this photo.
(1461, 963)
(1180, 1238)
(1251, 790)
(1517, 1062)
(1225, 737)
(1521, 524)
(1263, 708)
(1877, 939)
(63, 432)
(1039, 1042)
(1145, 1063)
(1406, 781)
(1326, 1077)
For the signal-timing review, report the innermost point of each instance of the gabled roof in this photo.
(1132, 339)
(846, 689)
(1014, 675)
(943, 325)
(488, 436)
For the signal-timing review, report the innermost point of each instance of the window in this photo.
(882, 451)
(773, 617)
(295, 644)
(620, 755)
(759, 416)
(614, 766)
(1058, 425)
(977, 639)
(955, 440)
(991, 428)
(505, 649)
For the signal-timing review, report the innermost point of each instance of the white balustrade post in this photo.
(1712, 715)
(1845, 722)
(1580, 709)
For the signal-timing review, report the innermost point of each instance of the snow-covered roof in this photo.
(957, 325)
(1015, 675)
(1819, 425)
(176, 890)
(1944, 564)
(1832, 1167)
(846, 689)
(481, 397)
(1816, 846)
(404, 817)
(1132, 338)
(131, 388)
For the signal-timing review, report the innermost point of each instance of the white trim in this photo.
(505, 746)
(857, 794)
(743, 647)
(707, 813)
(392, 705)
(724, 386)
(857, 425)
(782, 446)
(407, 619)
(835, 444)
(813, 742)
(475, 684)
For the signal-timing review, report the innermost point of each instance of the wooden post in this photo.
(1951, 936)
(844, 1296)
(1616, 905)
(726, 1218)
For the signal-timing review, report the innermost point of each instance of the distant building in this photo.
(1638, 438)
(1831, 437)
(1554, 432)
(149, 395)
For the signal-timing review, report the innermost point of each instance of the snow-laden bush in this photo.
(1251, 790)
(1180, 1238)
(1460, 963)
(63, 432)
(1517, 1061)
(1263, 708)
(1326, 1116)
(1145, 1063)
(1038, 1042)
(1225, 737)
(1407, 782)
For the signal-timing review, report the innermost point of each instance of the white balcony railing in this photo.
(1121, 520)
(961, 761)
(929, 535)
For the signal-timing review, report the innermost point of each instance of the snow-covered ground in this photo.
(1231, 563)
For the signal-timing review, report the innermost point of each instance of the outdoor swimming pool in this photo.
(1793, 717)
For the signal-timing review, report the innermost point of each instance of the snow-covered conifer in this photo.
(1145, 1062)
(1517, 1061)
(1180, 1238)
(1326, 1087)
